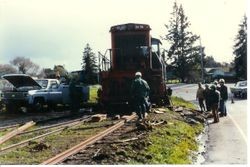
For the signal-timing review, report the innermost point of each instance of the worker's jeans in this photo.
(214, 109)
(222, 108)
(140, 108)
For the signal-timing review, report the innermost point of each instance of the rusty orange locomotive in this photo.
(133, 49)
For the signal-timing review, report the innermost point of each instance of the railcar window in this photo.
(129, 51)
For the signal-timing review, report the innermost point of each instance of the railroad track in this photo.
(60, 126)
(39, 121)
(36, 138)
(64, 155)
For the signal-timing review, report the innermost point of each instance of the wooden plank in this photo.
(16, 132)
(73, 150)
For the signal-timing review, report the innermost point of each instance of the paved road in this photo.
(227, 140)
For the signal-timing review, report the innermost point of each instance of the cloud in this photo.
(53, 32)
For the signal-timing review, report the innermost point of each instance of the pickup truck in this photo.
(35, 94)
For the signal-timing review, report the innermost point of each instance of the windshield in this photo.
(242, 84)
(130, 50)
(42, 83)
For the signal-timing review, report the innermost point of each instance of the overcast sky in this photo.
(53, 32)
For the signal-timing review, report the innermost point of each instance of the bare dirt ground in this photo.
(125, 145)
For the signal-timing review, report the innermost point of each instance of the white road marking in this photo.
(238, 127)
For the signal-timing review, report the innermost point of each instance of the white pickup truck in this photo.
(28, 93)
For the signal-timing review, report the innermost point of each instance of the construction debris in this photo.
(178, 109)
(116, 117)
(158, 110)
(98, 118)
(40, 147)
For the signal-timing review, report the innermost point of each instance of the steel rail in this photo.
(40, 136)
(55, 125)
(28, 140)
(9, 126)
(75, 149)
(35, 120)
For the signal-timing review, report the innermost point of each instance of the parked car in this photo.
(240, 89)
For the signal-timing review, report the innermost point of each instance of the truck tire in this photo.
(38, 104)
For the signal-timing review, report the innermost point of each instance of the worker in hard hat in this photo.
(139, 93)
(224, 96)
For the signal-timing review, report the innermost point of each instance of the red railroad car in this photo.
(133, 49)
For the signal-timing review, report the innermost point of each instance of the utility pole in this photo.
(202, 68)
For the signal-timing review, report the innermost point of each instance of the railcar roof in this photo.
(130, 27)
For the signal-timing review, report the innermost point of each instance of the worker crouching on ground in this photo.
(139, 93)
(214, 101)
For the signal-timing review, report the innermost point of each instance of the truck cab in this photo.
(29, 93)
(49, 94)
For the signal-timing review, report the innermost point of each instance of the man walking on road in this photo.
(224, 97)
(139, 93)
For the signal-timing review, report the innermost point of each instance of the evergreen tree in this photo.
(184, 56)
(209, 62)
(240, 51)
(89, 66)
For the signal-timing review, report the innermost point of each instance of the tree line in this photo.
(184, 54)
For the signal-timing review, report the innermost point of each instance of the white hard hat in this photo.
(222, 81)
(138, 74)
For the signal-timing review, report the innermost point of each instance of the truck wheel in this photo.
(38, 105)
(244, 95)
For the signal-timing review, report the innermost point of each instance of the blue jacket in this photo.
(139, 88)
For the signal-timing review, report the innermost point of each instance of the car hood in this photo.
(21, 80)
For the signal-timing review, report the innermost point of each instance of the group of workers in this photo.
(215, 98)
